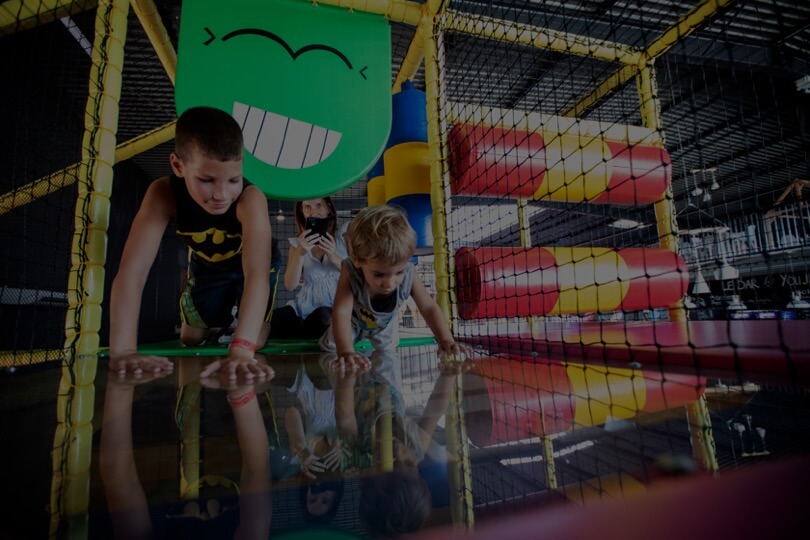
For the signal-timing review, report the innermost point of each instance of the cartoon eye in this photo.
(293, 53)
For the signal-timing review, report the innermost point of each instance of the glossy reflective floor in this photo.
(169, 456)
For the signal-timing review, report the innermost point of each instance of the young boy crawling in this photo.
(225, 223)
(375, 281)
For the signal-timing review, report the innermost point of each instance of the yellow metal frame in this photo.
(401, 11)
(36, 356)
(17, 15)
(72, 446)
(413, 57)
(459, 467)
(69, 175)
(700, 432)
(542, 38)
(153, 26)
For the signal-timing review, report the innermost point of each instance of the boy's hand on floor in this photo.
(352, 362)
(136, 363)
(449, 347)
(131, 379)
(240, 363)
(454, 367)
(235, 385)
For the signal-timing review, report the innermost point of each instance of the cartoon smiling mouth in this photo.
(284, 142)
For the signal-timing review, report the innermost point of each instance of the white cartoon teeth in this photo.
(281, 141)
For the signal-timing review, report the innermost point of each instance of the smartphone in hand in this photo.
(318, 226)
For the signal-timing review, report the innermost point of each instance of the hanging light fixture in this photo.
(796, 301)
(736, 303)
(715, 185)
(280, 215)
(726, 271)
(700, 286)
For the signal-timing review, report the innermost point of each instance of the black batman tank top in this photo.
(214, 241)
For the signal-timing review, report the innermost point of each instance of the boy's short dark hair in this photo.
(210, 131)
(394, 504)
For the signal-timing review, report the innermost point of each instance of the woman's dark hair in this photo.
(330, 481)
(301, 221)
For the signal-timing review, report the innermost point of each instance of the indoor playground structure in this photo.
(609, 205)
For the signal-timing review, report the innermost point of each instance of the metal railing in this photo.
(783, 229)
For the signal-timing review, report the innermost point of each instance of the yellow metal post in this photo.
(439, 173)
(413, 58)
(702, 12)
(613, 81)
(459, 470)
(545, 441)
(153, 26)
(91, 217)
(700, 432)
(385, 433)
(523, 224)
(548, 462)
(72, 450)
(189, 406)
(73, 439)
(665, 208)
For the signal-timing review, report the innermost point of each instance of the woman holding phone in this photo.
(314, 264)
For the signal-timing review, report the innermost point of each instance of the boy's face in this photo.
(213, 184)
(381, 278)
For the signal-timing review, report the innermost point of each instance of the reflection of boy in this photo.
(375, 283)
(394, 503)
(225, 223)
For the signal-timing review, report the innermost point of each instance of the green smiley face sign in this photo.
(309, 84)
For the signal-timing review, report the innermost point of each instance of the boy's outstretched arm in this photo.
(251, 211)
(435, 319)
(347, 357)
(127, 288)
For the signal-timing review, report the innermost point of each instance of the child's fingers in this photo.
(265, 371)
(211, 368)
(159, 363)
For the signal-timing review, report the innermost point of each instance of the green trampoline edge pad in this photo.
(273, 346)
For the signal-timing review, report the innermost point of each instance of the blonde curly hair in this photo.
(381, 233)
